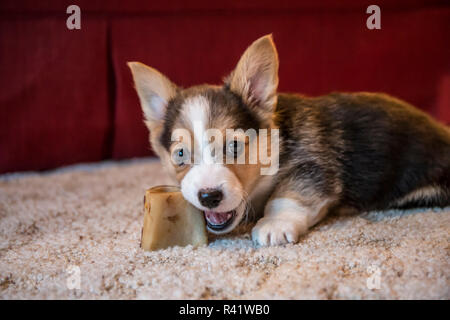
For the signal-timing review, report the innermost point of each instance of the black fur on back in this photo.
(376, 148)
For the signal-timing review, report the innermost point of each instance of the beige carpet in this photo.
(90, 218)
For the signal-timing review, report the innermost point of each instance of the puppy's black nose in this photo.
(210, 198)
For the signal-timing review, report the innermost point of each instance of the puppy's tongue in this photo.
(218, 217)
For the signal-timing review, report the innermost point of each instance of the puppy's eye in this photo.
(235, 148)
(181, 156)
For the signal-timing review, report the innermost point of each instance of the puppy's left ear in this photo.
(255, 78)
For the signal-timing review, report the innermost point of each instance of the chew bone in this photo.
(169, 220)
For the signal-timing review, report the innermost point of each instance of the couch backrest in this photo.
(67, 95)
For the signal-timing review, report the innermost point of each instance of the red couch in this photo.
(66, 95)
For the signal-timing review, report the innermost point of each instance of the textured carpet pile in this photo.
(87, 220)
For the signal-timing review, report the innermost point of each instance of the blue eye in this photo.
(181, 156)
(235, 148)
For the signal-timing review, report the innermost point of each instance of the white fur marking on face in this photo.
(206, 173)
(212, 176)
(196, 111)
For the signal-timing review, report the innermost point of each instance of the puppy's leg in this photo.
(288, 215)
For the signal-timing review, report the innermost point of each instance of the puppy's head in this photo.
(194, 131)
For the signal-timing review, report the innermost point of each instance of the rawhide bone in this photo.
(170, 220)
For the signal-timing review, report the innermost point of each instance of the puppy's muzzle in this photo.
(211, 198)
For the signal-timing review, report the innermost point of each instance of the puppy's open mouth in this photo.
(219, 220)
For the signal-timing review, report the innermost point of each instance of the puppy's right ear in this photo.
(154, 91)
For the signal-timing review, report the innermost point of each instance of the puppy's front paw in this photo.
(273, 231)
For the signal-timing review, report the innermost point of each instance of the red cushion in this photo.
(54, 93)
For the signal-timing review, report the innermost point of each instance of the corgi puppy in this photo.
(362, 151)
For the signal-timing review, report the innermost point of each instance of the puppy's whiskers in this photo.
(249, 210)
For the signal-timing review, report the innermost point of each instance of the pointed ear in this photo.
(256, 76)
(154, 91)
